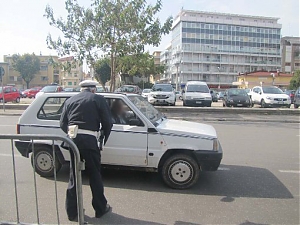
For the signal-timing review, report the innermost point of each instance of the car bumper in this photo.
(166, 101)
(238, 104)
(23, 147)
(209, 160)
(198, 102)
(277, 103)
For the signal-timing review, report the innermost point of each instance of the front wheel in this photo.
(43, 159)
(17, 100)
(263, 104)
(180, 171)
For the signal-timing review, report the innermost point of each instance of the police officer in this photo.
(81, 118)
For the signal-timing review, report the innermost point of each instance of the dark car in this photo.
(297, 98)
(291, 93)
(237, 98)
(221, 95)
(214, 96)
(132, 89)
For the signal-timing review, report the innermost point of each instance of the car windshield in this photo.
(197, 88)
(128, 89)
(237, 92)
(49, 89)
(248, 90)
(162, 87)
(147, 109)
(100, 89)
(272, 90)
(146, 90)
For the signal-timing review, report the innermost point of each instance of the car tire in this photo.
(262, 104)
(224, 105)
(288, 106)
(296, 106)
(174, 104)
(43, 158)
(209, 105)
(17, 100)
(180, 171)
(184, 104)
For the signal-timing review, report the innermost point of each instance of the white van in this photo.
(196, 93)
(178, 150)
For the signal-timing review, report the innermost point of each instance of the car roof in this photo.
(196, 82)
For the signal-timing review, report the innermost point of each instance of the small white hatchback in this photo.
(147, 140)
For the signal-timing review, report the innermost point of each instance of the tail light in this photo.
(18, 128)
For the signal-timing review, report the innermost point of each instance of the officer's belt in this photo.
(88, 132)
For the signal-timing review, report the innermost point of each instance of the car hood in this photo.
(161, 92)
(277, 95)
(239, 98)
(180, 127)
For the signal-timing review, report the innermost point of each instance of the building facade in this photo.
(264, 78)
(71, 77)
(290, 54)
(155, 77)
(215, 47)
(47, 74)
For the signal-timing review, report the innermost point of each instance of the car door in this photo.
(255, 95)
(8, 94)
(127, 144)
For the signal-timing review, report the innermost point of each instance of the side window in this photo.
(14, 90)
(122, 113)
(52, 109)
(7, 90)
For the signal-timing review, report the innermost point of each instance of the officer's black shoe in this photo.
(75, 219)
(107, 209)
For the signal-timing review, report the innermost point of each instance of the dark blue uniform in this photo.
(87, 110)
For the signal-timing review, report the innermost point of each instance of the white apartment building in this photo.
(216, 47)
(72, 77)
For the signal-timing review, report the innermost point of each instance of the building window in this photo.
(75, 75)
(287, 64)
(44, 68)
(70, 83)
(44, 78)
(11, 78)
(297, 64)
(75, 83)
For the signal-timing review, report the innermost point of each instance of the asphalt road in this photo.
(258, 183)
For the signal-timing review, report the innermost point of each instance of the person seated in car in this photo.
(117, 111)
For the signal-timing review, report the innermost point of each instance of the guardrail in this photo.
(79, 165)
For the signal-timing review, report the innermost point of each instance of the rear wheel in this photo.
(17, 100)
(296, 106)
(43, 159)
(288, 106)
(180, 171)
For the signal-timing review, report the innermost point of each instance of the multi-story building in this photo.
(155, 77)
(47, 74)
(72, 76)
(166, 59)
(290, 47)
(215, 47)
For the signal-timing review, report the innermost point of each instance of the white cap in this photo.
(88, 83)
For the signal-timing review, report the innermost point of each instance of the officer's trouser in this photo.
(92, 169)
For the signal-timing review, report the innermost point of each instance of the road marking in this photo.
(9, 155)
(223, 168)
(289, 171)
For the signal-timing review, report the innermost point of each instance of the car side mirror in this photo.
(260, 92)
(134, 122)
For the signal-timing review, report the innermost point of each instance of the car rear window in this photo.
(52, 108)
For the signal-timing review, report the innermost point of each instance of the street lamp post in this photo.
(219, 86)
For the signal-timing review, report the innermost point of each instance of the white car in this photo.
(196, 93)
(146, 93)
(178, 150)
(270, 96)
(162, 94)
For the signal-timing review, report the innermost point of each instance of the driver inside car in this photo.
(118, 111)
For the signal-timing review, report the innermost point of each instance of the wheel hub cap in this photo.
(181, 171)
(44, 162)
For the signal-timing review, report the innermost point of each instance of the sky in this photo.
(23, 28)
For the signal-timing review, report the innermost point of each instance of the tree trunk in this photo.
(27, 84)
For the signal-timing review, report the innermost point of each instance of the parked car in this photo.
(214, 96)
(270, 96)
(196, 93)
(11, 94)
(49, 89)
(291, 93)
(237, 98)
(178, 95)
(145, 93)
(162, 94)
(132, 89)
(221, 95)
(297, 98)
(148, 141)
(31, 93)
(69, 90)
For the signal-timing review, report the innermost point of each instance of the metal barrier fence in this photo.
(79, 166)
